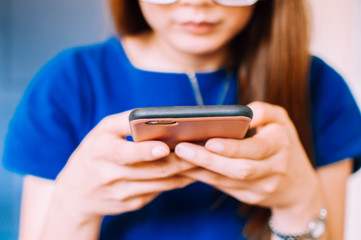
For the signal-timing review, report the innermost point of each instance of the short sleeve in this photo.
(336, 117)
(42, 133)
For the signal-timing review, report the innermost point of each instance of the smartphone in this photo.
(189, 123)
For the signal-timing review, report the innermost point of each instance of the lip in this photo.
(198, 27)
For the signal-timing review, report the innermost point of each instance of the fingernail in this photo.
(159, 152)
(215, 146)
(184, 152)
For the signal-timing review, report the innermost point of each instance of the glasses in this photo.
(228, 3)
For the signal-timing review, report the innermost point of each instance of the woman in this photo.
(169, 53)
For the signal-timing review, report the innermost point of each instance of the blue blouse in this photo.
(80, 86)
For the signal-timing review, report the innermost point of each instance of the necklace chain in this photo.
(197, 92)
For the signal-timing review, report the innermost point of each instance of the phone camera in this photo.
(161, 122)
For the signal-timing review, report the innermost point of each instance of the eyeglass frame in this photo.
(251, 2)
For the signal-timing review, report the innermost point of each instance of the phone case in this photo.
(189, 123)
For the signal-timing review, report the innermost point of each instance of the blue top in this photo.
(80, 86)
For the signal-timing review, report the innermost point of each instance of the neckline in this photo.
(118, 45)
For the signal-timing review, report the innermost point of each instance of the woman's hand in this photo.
(269, 169)
(108, 175)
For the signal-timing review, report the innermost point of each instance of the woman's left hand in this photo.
(269, 169)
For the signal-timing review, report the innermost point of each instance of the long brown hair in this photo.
(272, 56)
(273, 67)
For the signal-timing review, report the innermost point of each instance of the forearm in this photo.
(64, 223)
(330, 194)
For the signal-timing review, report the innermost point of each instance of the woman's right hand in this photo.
(109, 175)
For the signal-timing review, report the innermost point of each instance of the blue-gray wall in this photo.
(4, 37)
(32, 32)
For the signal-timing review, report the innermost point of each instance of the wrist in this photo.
(65, 223)
(296, 216)
(71, 213)
(316, 229)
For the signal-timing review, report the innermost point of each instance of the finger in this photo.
(265, 113)
(214, 179)
(245, 196)
(230, 167)
(116, 123)
(245, 191)
(138, 202)
(267, 185)
(115, 206)
(143, 151)
(155, 186)
(162, 168)
(170, 166)
(126, 152)
(254, 148)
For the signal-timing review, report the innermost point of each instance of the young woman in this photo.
(287, 180)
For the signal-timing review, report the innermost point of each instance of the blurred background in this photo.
(32, 32)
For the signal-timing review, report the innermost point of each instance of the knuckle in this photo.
(173, 183)
(232, 150)
(100, 149)
(177, 183)
(244, 172)
(103, 123)
(163, 172)
(260, 151)
(208, 164)
(261, 111)
(254, 199)
(137, 203)
(281, 111)
(276, 129)
(104, 177)
(166, 185)
(286, 145)
(273, 185)
(208, 161)
(120, 196)
(278, 166)
(162, 169)
(283, 169)
(270, 188)
(142, 151)
(102, 155)
(216, 178)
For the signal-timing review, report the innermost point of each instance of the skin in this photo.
(261, 171)
(274, 174)
(188, 35)
(109, 175)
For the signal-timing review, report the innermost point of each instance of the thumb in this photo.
(265, 113)
(116, 123)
